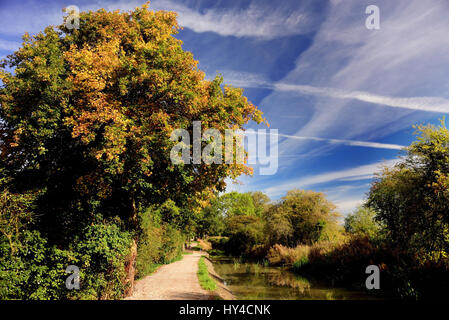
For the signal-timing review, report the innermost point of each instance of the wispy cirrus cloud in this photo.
(353, 143)
(9, 45)
(363, 172)
(348, 205)
(354, 73)
(429, 104)
(256, 20)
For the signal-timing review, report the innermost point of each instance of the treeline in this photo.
(252, 224)
(403, 227)
(86, 177)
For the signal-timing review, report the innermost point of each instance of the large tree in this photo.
(87, 115)
(412, 198)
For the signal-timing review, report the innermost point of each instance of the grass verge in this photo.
(206, 282)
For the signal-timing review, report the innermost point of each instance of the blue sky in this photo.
(344, 98)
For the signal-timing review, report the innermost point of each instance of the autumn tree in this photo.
(87, 115)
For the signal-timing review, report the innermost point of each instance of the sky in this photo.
(343, 98)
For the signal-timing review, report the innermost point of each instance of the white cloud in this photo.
(363, 172)
(353, 143)
(255, 21)
(432, 104)
(347, 197)
(347, 206)
(248, 80)
(9, 45)
(350, 73)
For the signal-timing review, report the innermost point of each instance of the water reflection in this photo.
(256, 281)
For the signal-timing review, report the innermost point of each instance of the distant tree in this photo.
(237, 204)
(244, 232)
(362, 222)
(211, 220)
(261, 202)
(300, 217)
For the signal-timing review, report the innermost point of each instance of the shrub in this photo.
(218, 243)
(216, 252)
(244, 233)
(158, 243)
(102, 252)
(30, 268)
(37, 269)
(34, 271)
(362, 222)
(148, 250)
(259, 252)
(172, 243)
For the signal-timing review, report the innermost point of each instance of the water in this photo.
(251, 281)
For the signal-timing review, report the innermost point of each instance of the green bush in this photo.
(102, 252)
(171, 248)
(244, 233)
(34, 271)
(30, 268)
(148, 246)
(37, 270)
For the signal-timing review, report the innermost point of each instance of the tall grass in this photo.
(301, 255)
(280, 255)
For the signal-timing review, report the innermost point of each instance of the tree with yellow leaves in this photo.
(87, 116)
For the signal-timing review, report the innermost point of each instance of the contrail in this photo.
(355, 143)
(430, 104)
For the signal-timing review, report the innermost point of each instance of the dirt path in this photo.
(175, 281)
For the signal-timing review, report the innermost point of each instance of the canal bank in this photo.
(222, 291)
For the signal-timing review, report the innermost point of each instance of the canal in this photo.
(255, 281)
